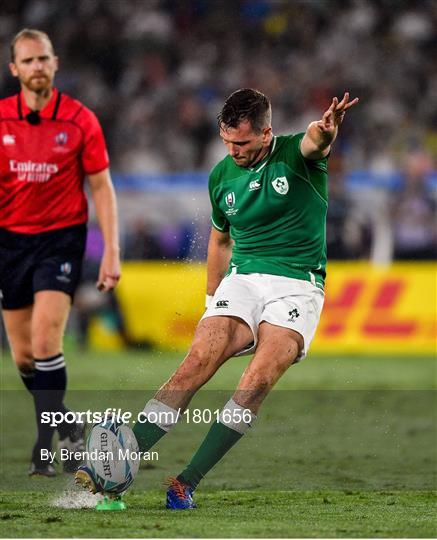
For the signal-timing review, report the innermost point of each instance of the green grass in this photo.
(137, 370)
(232, 514)
(344, 447)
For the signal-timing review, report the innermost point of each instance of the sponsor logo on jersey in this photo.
(222, 304)
(8, 140)
(230, 202)
(254, 185)
(65, 269)
(293, 314)
(29, 171)
(61, 138)
(280, 185)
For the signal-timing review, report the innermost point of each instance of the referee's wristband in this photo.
(208, 300)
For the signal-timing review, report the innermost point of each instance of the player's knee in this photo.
(44, 346)
(293, 351)
(193, 371)
(24, 361)
(288, 353)
(198, 357)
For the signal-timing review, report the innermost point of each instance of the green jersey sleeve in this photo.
(218, 219)
(314, 171)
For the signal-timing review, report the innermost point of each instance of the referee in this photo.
(49, 143)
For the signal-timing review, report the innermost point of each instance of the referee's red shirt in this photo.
(43, 167)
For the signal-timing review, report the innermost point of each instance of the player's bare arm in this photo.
(106, 210)
(219, 255)
(319, 136)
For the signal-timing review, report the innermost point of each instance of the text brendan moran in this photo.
(97, 455)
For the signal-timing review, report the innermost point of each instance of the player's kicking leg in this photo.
(277, 350)
(216, 339)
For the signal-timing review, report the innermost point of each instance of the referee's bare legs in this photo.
(35, 335)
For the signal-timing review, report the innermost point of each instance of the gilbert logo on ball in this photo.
(113, 456)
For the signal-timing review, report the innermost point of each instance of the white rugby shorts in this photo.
(282, 301)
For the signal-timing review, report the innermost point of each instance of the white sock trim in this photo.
(236, 417)
(160, 414)
(51, 365)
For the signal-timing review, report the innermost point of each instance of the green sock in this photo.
(219, 440)
(147, 434)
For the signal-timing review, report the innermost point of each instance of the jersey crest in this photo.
(280, 185)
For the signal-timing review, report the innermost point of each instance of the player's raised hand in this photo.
(334, 116)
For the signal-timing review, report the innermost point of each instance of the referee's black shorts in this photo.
(47, 261)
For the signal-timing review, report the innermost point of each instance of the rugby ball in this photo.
(112, 455)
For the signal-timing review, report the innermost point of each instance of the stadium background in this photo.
(156, 73)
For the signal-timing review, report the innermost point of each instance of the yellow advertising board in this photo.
(368, 309)
(371, 309)
(162, 302)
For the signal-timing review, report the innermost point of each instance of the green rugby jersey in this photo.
(275, 212)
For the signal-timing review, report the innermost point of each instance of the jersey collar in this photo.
(49, 111)
(259, 166)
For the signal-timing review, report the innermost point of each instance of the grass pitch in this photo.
(344, 447)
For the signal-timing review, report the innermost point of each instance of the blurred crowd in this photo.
(156, 73)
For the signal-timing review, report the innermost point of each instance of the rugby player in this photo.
(265, 276)
(49, 143)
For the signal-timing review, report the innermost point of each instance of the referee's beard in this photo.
(42, 88)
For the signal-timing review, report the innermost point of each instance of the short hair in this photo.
(29, 33)
(246, 104)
